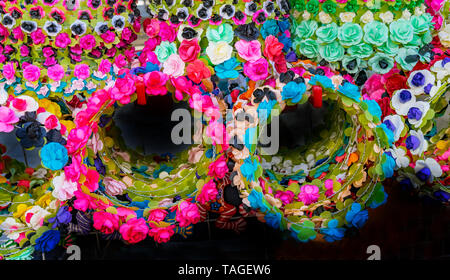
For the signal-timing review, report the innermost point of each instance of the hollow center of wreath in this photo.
(148, 129)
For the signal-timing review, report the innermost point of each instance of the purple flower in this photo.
(405, 96)
(412, 142)
(424, 174)
(414, 113)
(389, 125)
(62, 217)
(418, 79)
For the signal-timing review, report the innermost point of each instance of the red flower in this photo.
(189, 50)
(273, 47)
(395, 82)
(385, 105)
(197, 71)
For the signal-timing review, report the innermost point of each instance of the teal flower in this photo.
(422, 23)
(306, 29)
(376, 33)
(351, 64)
(327, 33)
(309, 48)
(350, 90)
(407, 58)
(389, 133)
(54, 156)
(332, 232)
(223, 32)
(249, 168)
(324, 81)
(373, 107)
(264, 109)
(355, 216)
(332, 52)
(350, 34)
(270, 27)
(388, 165)
(227, 69)
(401, 31)
(361, 50)
(390, 48)
(416, 41)
(293, 91)
(256, 200)
(427, 37)
(273, 219)
(164, 50)
(381, 63)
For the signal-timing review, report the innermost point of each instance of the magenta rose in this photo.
(38, 36)
(87, 42)
(120, 61)
(48, 51)
(50, 61)
(56, 72)
(208, 193)
(82, 71)
(108, 37)
(157, 215)
(257, 70)
(166, 32)
(218, 168)
(104, 66)
(9, 70)
(111, 52)
(18, 33)
(134, 230)
(31, 73)
(62, 40)
(106, 222)
(161, 234)
(189, 50)
(24, 51)
(126, 34)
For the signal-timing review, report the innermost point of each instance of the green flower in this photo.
(381, 63)
(390, 48)
(375, 33)
(407, 58)
(401, 31)
(350, 34)
(327, 33)
(351, 64)
(312, 7)
(309, 48)
(329, 7)
(427, 38)
(421, 23)
(164, 50)
(304, 231)
(332, 52)
(223, 32)
(352, 6)
(415, 42)
(306, 29)
(300, 5)
(361, 50)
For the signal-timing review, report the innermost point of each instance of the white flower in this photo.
(347, 16)
(325, 18)
(276, 160)
(12, 228)
(406, 14)
(444, 36)
(397, 123)
(35, 216)
(219, 52)
(418, 142)
(306, 15)
(419, 80)
(265, 164)
(402, 100)
(63, 188)
(114, 187)
(400, 157)
(367, 17)
(299, 167)
(418, 11)
(3, 94)
(40, 173)
(441, 68)
(423, 107)
(287, 163)
(387, 17)
(174, 66)
(432, 165)
(31, 105)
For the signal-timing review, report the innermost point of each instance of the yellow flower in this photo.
(44, 200)
(68, 124)
(20, 211)
(51, 107)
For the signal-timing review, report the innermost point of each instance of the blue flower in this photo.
(273, 219)
(31, 134)
(333, 232)
(264, 109)
(389, 133)
(324, 81)
(250, 137)
(257, 201)
(286, 41)
(374, 108)
(249, 168)
(350, 90)
(293, 91)
(226, 70)
(388, 164)
(47, 241)
(355, 216)
(270, 27)
(283, 25)
(54, 156)
(62, 217)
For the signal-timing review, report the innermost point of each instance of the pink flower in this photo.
(82, 71)
(187, 213)
(249, 51)
(92, 178)
(285, 197)
(62, 40)
(189, 50)
(75, 169)
(84, 202)
(9, 70)
(182, 85)
(48, 51)
(106, 222)
(218, 168)
(437, 20)
(373, 87)
(56, 72)
(308, 194)
(166, 32)
(125, 213)
(329, 186)
(134, 230)
(78, 138)
(151, 27)
(174, 66)
(87, 42)
(123, 89)
(38, 36)
(120, 61)
(24, 51)
(216, 132)
(208, 193)
(126, 34)
(18, 33)
(256, 70)
(161, 234)
(104, 66)
(7, 119)
(155, 83)
(31, 73)
(113, 187)
(111, 52)
(51, 122)
(108, 37)
(157, 215)
(50, 61)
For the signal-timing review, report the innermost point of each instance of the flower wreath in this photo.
(56, 49)
(376, 38)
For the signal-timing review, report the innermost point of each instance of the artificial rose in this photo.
(104, 66)
(248, 50)
(273, 47)
(161, 234)
(105, 222)
(197, 71)
(7, 119)
(31, 73)
(350, 34)
(62, 40)
(218, 168)
(56, 72)
(189, 50)
(166, 32)
(123, 89)
(134, 230)
(187, 213)
(38, 37)
(375, 33)
(157, 215)
(327, 33)
(308, 194)
(208, 193)
(309, 48)
(164, 50)
(155, 83)
(219, 52)
(306, 29)
(223, 32)
(401, 31)
(174, 66)
(113, 187)
(82, 71)
(108, 37)
(24, 51)
(9, 70)
(257, 70)
(87, 42)
(332, 52)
